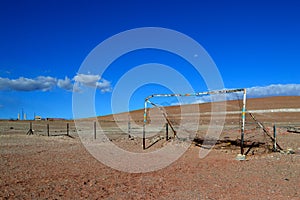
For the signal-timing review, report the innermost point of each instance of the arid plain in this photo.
(59, 166)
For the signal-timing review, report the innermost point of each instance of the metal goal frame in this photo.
(225, 91)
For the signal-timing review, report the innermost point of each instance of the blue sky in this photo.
(254, 44)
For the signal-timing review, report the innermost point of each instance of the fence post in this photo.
(30, 132)
(129, 136)
(48, 132)
(95, 131)
(167, 131)
(67, 129)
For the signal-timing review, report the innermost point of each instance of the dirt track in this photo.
(59, 167)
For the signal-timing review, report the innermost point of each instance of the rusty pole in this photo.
(243, 121)
(144, 125)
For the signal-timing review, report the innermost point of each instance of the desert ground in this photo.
(58, 166)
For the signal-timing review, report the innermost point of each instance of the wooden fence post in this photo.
(167, 131)
(30, 131)
(129, 127)
(95, 131)
(67, 129)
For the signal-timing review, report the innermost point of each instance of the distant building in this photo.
(37, 118)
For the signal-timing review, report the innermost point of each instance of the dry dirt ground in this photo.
(59, 167)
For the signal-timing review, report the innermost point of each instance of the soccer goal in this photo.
(172, 119)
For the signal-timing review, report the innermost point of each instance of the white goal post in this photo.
(225, 91)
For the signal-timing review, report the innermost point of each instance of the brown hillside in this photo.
(233, 105)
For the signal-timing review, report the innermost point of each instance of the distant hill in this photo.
(270, 104)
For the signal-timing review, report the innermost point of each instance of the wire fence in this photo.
(132, 127)
(46, 128)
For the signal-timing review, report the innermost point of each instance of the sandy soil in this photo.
(59, 167)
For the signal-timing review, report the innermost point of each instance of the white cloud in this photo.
(87, 79)
(65, 84)
(104, 85)
(275, 90)
(46, 83)
(92, 81)
(43, 83)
